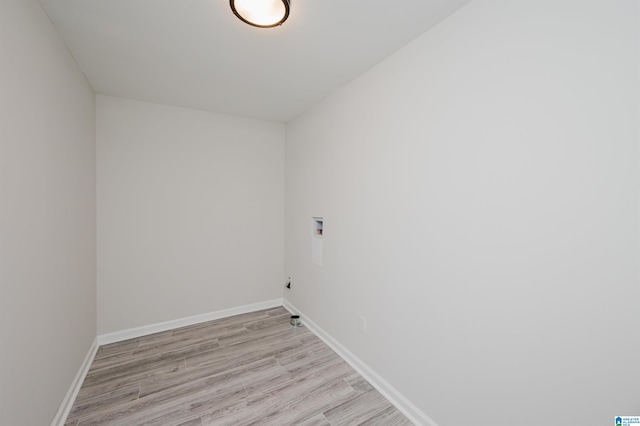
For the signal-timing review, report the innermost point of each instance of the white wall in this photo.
(190, 212)
(47, 216)
(480, 198)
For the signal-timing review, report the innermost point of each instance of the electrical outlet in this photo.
(362, 326)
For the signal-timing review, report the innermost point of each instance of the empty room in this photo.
(319, 212)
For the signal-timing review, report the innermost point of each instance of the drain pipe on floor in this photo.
(295, 321)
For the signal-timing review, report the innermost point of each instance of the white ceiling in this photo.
(197, 54)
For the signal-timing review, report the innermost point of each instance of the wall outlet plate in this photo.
(362, 326)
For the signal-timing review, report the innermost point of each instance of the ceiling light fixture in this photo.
(261, 13)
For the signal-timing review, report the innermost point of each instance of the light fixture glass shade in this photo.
(261, 13)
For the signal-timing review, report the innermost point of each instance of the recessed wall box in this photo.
(316, 229)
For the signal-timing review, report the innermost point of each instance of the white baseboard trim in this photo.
(72, 393)
(405, 406)
(104, 339)
(132, 333)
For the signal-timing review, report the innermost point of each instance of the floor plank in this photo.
(251, 369)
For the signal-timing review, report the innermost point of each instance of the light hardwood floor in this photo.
(251, 369)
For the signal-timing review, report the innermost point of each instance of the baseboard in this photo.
(132, 333)
(70, 397)
(407, 408)
(412, 412)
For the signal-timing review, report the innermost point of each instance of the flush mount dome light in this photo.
(261, 13)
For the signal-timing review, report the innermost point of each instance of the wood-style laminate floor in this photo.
(251, 369)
